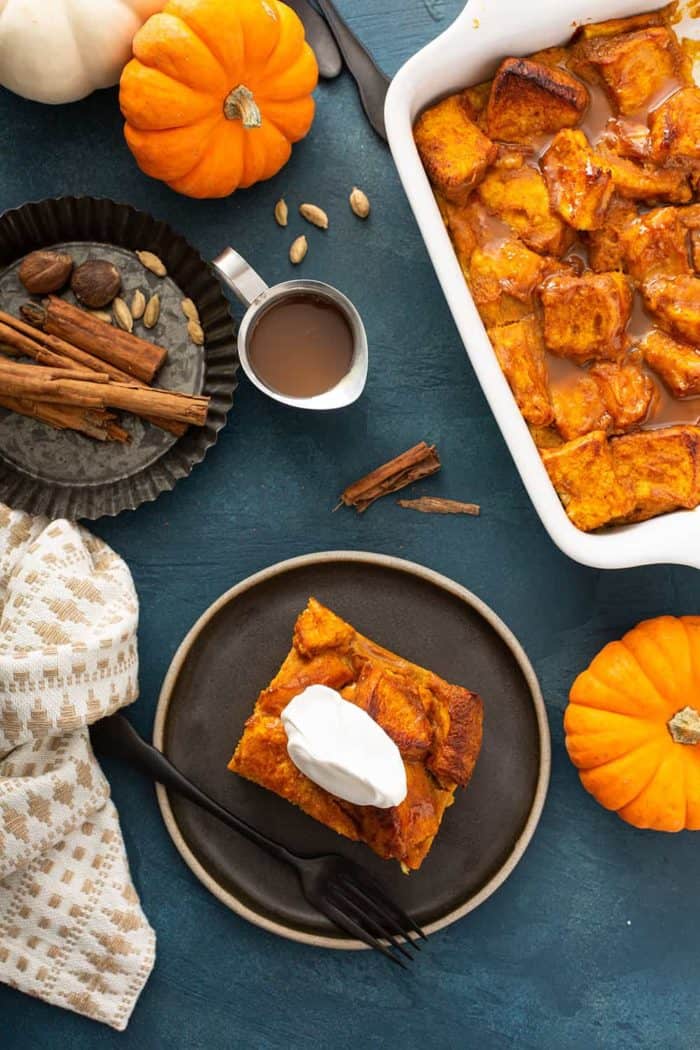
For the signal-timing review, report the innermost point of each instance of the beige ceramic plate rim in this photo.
(398, 564)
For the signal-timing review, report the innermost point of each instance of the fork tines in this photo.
(360, 906)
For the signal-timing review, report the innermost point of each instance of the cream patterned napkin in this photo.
(71, 928)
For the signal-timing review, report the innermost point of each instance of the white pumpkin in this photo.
(61, 50)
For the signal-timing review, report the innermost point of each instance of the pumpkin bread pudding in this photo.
(436, 726)
(570, 187)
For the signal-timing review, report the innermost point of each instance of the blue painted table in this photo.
(593, 941)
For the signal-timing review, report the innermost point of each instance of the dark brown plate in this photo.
(234, 650)
(62, 473)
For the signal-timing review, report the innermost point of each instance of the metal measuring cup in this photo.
(251, 290)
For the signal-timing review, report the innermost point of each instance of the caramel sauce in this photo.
(578, 250)
(641, 322)
(669, 410)
(302, 345)
(598, 114)
(670, 86)
(562, 372)
(493, 232)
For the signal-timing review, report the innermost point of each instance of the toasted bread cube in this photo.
(503, 278)
(690, 217)
(632, 67)
(517, 194)
(627, 392)
(551, 56)
(615, 26)
(659, 467)
(520, 351)
(605, 248)
(582, 474)
(455, 153)
(643, 182)
(475, 99)
(675, 128)
(656, 243)
(675, 301)
(579, 407)
(530, 99)
(585, 317)
(573, 265)
(677, 363)
(579, 189)
(695, 249)
(627, 138)
(458, 219)
(545, 437)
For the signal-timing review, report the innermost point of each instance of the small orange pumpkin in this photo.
(217, 92)
(633, 725)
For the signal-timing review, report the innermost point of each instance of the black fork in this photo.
(339, 888)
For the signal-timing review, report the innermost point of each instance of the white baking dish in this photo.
(467, 53)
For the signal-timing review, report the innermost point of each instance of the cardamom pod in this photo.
(152, 312)
(281, 212)
(359, 202)
(189, 310)
(101, 315)
(195, 332)
(315, 215)
(152, 263)
(298, 249)
(138, 304)
(122, 315)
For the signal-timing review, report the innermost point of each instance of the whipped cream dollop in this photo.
(342, 749)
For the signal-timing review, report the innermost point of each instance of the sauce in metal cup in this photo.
(300, 342)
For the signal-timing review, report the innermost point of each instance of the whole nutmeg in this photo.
(43, 272)
(95, 283)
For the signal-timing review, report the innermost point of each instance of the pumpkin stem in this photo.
(241, 105)
(684, 727)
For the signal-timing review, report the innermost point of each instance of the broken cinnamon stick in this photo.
(35, 343)
(21, 345)
(98, 425)
(437, 505)
(83, 375)
(122, 349)
(417, 462)
(44, 384)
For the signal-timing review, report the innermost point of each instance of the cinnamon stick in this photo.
(37, 343)
(44, 384)
(417, 462)
(437, 505)
(59, 346)
(122, 349)
(21, 345)
(84, 375)
(98, 425)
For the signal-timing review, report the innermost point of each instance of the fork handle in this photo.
(372, 83)
(116, 737)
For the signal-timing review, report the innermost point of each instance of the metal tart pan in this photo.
(62, 473)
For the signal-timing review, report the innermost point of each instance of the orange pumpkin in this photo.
(217, 92)
(633, 725)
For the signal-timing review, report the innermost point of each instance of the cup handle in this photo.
(238, 276)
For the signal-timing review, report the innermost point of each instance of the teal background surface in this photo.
(593, 940)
